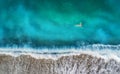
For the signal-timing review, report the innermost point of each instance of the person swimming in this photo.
(79, 25)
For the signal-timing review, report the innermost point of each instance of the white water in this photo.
(98, 50)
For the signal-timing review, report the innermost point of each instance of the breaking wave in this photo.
(99, 50)
(91, 59)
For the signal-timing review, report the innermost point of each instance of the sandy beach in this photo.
(75, 64)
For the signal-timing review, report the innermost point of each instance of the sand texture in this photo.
(76, 64)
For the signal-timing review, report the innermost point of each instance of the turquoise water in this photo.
(59, 22)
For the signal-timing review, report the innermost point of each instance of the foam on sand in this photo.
(98, 50)
(92, 59)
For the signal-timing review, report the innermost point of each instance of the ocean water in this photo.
(57, 28)
(59, 22)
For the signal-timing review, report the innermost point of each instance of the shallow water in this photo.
(59, 22)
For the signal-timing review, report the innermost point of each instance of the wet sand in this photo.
(75, 64)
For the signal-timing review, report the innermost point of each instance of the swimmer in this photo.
(79, 25)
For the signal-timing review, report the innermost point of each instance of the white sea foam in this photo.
(98, 50)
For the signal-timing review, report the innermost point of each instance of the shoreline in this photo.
(104, 54)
